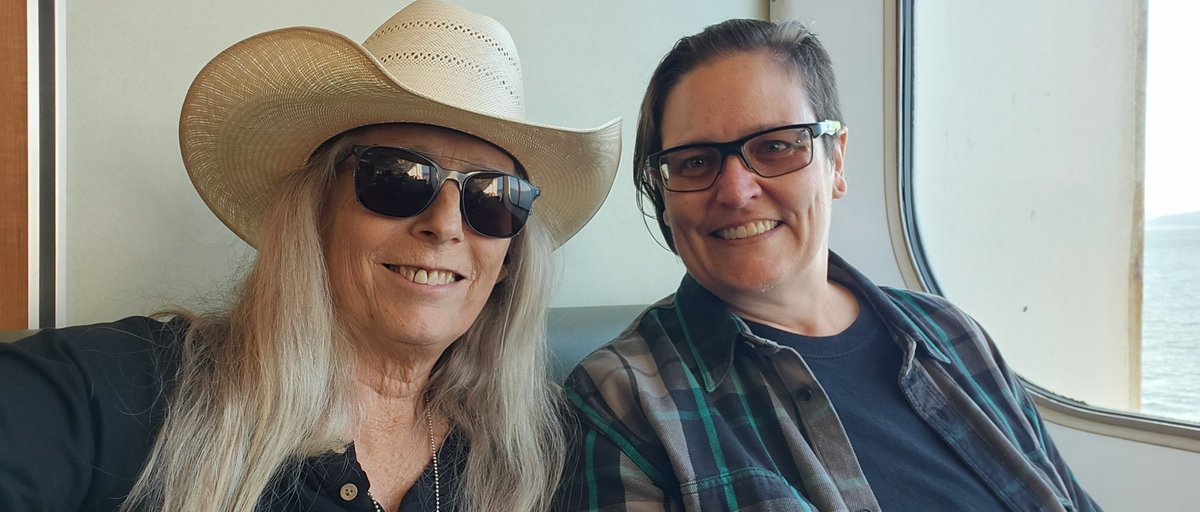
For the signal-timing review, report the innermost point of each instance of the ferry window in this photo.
(1171, 248)
(1034, 129)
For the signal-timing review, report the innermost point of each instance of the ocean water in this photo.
(1171, 324)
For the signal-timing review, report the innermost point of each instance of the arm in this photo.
(1078, 496)
(601, 477)
(981, 375)
(1053, 464)
(45, 434)
(79, 408)
(615, 461)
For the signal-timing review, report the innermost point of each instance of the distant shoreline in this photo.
(1189, 220)
(1149, 227)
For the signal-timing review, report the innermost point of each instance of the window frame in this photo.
(918, 274)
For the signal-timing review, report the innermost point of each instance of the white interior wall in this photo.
(1125, 476)
(1027, 180)
(136, 237)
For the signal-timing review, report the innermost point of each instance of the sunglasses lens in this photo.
(497, 205)
(398, 183)
(393, 183)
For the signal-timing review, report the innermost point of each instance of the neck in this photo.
(394, 437)
(390, 389)
(393, 369)
(815, 306)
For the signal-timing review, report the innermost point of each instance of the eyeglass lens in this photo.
(769, 154)
(400, 183)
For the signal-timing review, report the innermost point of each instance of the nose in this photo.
(442, 221)
(737, 184)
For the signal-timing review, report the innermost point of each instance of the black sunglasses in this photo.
(399, 182)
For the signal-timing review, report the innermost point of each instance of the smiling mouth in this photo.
(424, 276)
(746, 230)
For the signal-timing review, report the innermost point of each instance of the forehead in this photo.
(731, 96)
(454, 146)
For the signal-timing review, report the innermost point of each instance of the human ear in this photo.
(839, 163)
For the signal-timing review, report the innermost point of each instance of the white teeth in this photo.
(747, 230)
(424, 276)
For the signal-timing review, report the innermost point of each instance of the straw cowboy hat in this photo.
(259, 109)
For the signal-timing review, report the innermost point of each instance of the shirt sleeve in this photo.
(1082, 501)
(600, 477)
(78, 408)
(610, 466)
(984, 377)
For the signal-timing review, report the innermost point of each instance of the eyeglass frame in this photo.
(458, 177)
(736, 147)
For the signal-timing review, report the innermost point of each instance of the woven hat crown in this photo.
(458, 57)
(258, 110)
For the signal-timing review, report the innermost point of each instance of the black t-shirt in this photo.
(908, 466)
(80, 408)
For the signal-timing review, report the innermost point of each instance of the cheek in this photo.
(488, 255)
(349, 242)
(496, 257)
(674, 210)
(685, 213)
(347, 266)
(347, 275)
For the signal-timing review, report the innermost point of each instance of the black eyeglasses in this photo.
(769, 153)
(399, 182)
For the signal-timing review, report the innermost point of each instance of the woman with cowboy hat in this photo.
(386, 350)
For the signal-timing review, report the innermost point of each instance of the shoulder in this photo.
(634, 354)
(96, 366)
(935, 316)
(920, 304)
(616, 395)
(949, 330)
(79, 407)
(608, 387)
(120, 350)
(95, 347)
(135, 332)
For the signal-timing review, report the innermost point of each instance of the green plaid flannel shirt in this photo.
(689, 410)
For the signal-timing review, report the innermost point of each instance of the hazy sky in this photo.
(1173, 108)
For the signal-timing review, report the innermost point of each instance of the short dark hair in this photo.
(790, 42)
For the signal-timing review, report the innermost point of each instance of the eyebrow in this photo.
(761, 127)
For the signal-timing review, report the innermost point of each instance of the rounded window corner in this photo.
(1130, 426)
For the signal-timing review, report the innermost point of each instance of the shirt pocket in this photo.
(746, 489)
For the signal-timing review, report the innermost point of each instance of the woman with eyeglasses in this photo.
(386, 350)
(777, 376)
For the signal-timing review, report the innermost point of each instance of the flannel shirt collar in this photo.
(710, 331)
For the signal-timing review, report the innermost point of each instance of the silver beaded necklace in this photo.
(437, 480)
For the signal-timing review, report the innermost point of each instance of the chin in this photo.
(412, 329)
(748, 283)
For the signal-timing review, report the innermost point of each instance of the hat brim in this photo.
(259, 109)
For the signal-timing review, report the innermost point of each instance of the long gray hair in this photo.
(270, 382)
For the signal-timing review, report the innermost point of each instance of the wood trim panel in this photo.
(14, 166)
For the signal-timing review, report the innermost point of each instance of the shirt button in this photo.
(805, 394)
(349, 492)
